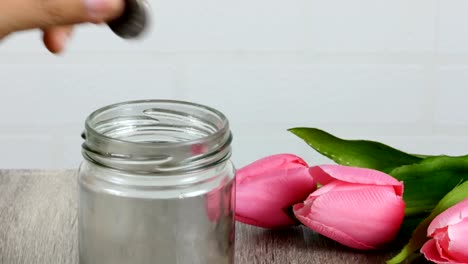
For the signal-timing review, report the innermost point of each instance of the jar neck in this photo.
(157, 136)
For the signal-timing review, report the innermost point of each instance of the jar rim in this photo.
(211, 146)
(96, 112)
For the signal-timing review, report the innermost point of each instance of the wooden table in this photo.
(38, 220)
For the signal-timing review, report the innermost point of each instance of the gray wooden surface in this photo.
(38, 225)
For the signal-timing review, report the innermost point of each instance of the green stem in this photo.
(418, 211)
(415, 243)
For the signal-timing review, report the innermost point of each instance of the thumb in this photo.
(16, 15)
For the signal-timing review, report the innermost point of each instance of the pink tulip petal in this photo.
(430, 252)
(264, 190)
(442, 241)
(322, 190)
(254, 210)
(341, 186)
(302, 213)
(457, 241)
(282, 162)
(250, 221)
(325, 174)
(213, 204)
(451, 216)
(274, 193)
(221, 200)
(351, 211)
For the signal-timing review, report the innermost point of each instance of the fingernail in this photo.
(96, 7)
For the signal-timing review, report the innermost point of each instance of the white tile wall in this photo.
(452, 26)
(64, 94)
(393, 71)
(451, 105)
(259, 140)
(307, 94)
(29, 151)
(372, 25)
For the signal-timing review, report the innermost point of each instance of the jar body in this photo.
(156, 185)
(145, 222)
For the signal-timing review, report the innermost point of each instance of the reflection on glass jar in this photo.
(156, 185)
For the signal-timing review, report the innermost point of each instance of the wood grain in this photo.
(38, 226)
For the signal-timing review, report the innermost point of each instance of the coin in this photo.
(134, 20)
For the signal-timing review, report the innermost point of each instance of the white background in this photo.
(394, 71)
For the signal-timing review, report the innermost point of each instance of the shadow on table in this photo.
(301, 239)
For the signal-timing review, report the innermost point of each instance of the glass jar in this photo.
(156, 185)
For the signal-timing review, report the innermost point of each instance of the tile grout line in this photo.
(233, 57)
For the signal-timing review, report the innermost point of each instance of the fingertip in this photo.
(55, 39)
(53, 43)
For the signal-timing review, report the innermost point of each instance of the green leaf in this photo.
(407, 227)
(427, 182)
(419, 236)
(356, 153)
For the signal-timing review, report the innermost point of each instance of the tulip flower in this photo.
(267, 188)
(448, 232)
(359, 208)
(220, 202)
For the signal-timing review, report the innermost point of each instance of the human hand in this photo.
(55, 17)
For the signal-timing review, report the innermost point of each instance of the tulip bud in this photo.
(357, 207)
(448, 231)
(267, 188)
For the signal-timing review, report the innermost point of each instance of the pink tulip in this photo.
(359, 208)
(268, 187)
(448, 232)
(220, 202)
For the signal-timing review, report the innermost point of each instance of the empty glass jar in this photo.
(156, 185)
